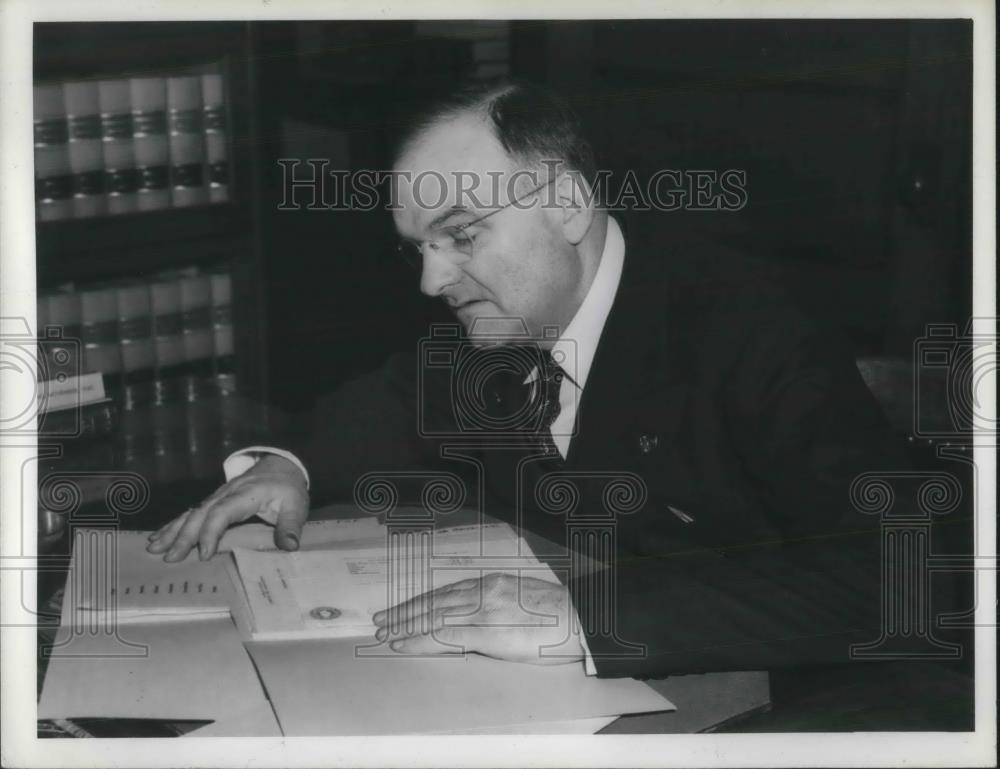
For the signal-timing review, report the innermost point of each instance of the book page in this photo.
(112, 577)
(333, 593)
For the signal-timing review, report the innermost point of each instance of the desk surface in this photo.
(874, 696)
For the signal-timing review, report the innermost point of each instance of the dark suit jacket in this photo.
(745, 422)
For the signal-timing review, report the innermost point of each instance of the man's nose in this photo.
(437, 273)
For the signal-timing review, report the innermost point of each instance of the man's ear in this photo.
(574, 201)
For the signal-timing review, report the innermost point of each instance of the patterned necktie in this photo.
(550, 377)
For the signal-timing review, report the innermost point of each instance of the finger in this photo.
(447, 640)
(165, 535)
(220, 492)
(187, 536)
(236, 506)
(446, 595)
(430, 622)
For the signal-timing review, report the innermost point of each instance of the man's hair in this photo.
(531, 123)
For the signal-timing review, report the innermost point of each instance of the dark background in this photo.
(855, 137)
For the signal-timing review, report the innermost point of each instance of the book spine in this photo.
(136, 432)
(150, 144)
(216, 136)
(118, 146)
(135, 330)
(53, 178)
(168, 338)
(99, 331)
(222, 322)
(86, 158)
(169, 436)
(65, 317)
(233, 416)
(187, 144)
(196, 323)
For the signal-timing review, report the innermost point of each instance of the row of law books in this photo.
(139, 329)
(165, 431)
(117, 146)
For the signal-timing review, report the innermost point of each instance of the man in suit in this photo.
(709, 432)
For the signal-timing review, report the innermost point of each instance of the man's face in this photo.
(522, 266)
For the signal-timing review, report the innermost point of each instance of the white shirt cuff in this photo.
(588, 661)
(240, 461)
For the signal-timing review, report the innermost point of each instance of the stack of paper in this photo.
(113, 580)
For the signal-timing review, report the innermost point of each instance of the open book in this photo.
(333, 591)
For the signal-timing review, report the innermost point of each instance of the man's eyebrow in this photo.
(443, 217)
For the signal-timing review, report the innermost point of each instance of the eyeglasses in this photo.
(453, 242)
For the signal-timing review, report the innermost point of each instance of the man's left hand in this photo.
(497, 615)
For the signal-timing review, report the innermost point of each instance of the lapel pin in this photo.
(648, 442)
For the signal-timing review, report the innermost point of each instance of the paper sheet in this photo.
(323, 688)
(177, 670)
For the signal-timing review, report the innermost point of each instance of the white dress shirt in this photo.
(573, 351)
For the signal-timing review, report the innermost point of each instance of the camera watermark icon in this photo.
(954, 373)
(488, 384)
(50, 363)
(907, 560)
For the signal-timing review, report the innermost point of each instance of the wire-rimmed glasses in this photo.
(454, 242)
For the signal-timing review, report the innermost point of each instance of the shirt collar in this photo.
(578, 343)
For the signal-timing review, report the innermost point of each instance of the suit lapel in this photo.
(640, 358)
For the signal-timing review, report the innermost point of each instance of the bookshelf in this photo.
(147, 228)
(141, 243)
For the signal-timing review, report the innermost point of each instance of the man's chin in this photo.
(487, 330)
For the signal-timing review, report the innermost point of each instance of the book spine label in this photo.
(70, 392)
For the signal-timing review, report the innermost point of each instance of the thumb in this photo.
(288, 529)
(287, 537)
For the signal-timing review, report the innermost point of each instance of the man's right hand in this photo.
(273, 486)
